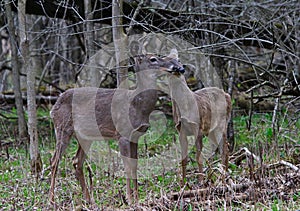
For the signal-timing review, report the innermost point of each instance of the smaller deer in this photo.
(95, 114)
(203, 112)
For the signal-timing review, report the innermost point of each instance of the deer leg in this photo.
(225, 151)
(133, 166)
(63, 139)
(184, 152)
(214, 141)
(218, 142)
(128, 150)
(78, 161)
(198, 144)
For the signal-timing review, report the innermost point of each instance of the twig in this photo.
(250, 112)
(274, 118)
(277, 165)
(257, 86)
(230, 127)
(295, 168)
(289, 138)
(242, 154)
(5, 117)
(45, 81)
(136, 12)
(282, 163)
(215, 202)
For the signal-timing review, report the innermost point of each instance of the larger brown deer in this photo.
(91, 114)
(203, 112)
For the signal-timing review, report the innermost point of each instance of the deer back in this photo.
(214, 107)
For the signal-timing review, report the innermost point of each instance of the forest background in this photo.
(250, 49)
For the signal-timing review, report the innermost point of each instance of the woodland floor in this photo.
(263, 172)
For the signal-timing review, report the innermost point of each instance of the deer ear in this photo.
(173, 53)
(134, 48)
(137, 59)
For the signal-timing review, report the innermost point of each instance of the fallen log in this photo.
(10, 99)
(205, 192)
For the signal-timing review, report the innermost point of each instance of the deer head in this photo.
(168, 63)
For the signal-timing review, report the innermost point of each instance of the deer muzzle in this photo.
(178, 69)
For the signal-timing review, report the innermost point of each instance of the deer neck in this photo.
(145, 93)
(146, 80)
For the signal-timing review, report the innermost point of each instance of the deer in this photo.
(94, 114)
(205, 112)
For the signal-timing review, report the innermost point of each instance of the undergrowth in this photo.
(159, 167)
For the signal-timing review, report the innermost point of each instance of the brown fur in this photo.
(91, 114)
(214, 109)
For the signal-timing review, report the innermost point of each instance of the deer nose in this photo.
(179, 69)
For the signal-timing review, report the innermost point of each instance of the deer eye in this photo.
(153, 59)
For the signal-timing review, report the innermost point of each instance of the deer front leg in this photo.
(128, 150)
(184, 152)
(199, 158)
(225, 151)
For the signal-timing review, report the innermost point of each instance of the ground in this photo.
(263, 173)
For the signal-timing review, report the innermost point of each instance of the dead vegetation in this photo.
(251, 184)
(256, 186)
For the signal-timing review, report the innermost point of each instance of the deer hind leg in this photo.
(218, 142)
(62, 141)
(214, 142)
(78, 162)
(128, 150)
(199, 156)
(219, 137)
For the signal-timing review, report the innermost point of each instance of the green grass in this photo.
(159, 166)
(17, 182)
(261, 131)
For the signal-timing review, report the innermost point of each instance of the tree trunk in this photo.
(89, 39)
(297, 63)
(16, 76)
(35, 159)
(89, 28)
(120, 43)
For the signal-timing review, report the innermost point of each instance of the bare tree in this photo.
(36, 162)
(260, 40)
(120, 41)
(16, 75)
(89, 39)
